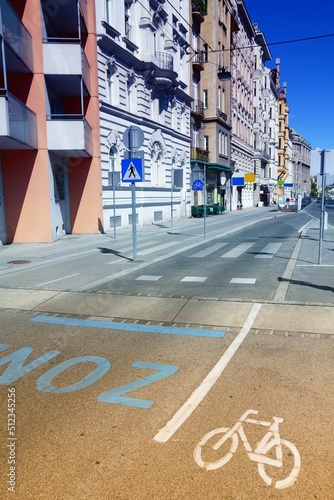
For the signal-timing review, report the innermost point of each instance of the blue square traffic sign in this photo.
(132, 170)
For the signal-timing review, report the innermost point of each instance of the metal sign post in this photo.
(133, 195)
(322, 211)
(132, 171)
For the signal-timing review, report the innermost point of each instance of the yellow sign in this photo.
(249, 177)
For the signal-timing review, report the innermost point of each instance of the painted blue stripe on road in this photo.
(166, 330)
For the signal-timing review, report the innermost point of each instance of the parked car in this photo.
(304, 202)
(329, 203)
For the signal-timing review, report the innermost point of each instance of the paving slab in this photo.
(107, 305)
(215, 313)
(24, 299)
(294, 318)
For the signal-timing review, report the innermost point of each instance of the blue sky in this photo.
(307, 67)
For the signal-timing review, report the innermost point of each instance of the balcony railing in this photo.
(222, 115)
(22, 126)
(69, 134)
(164, 60)
(16, 35)
(198, 60)
(62, 57)
(197, 107)
(199, 154)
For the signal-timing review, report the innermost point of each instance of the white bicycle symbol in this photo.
(270, 441)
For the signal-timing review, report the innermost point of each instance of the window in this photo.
(156, 166)
(127, 27)
(222, 143)
(206, 142)
(131, 96)
(205, 98)
(206, 52)
(108, 6)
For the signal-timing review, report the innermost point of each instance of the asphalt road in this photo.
(244, 266)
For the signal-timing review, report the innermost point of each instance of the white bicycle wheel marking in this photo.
(271, 441)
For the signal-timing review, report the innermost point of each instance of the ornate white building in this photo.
(266, 94)
(144, 75)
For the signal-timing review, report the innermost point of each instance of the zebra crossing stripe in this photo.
(237, 251)
(269, 251)
(207, 251)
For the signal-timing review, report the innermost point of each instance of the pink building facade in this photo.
(50, 174)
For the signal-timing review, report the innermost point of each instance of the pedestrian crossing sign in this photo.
(132, 170)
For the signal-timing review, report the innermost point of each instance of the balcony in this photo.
(66, 58)
(18, 44)
(164, 60)
(221, 115)
(197, 107)
(62, 58)
(199, 154)
(162, 74)
(70, 135)
(18, 128)
(198, 61)
(198, 10)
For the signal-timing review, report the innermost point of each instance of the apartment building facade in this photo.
(144, 77)
(199, 156)
(284, 174)
(265, 124)
(49, 133)
(243, 94)
(219, 24)
(301, 164)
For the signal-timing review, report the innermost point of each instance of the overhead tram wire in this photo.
(318, 37)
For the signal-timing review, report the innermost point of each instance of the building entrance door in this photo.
(61, 194)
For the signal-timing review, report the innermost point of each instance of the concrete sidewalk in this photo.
(80, 242)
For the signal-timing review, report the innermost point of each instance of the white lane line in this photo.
(238, 250)
(58, 279)
(315, 265)
(269, 251)
(243, 281)
(208, 250)
(199, 394)
(195, 279)
(148, 277)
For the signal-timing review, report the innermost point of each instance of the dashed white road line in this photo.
(58, 279)
(194, 279)
(243, 281)
(148, 277)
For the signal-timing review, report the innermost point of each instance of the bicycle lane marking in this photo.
(199, 394)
